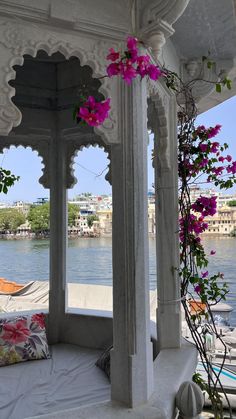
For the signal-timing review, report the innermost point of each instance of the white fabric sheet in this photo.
(70, 379)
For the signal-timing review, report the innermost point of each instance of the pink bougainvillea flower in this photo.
(203, 147)
(113, 55)
(214, 147)
(132, 52)
(213, 131)
(142, 64)
(114, 69)
(217, 170)
(231, 168)
(132, 43)
(203, 162)
(229, 158)
(205, 205)
(154, 72)
(204, 274)
(16, 333)
(191, 225)
(94, 113)
(198, 288)
(221, 159)
(128, 72)
(213, 252)
(39, 319)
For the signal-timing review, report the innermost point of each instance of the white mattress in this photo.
(70, 379)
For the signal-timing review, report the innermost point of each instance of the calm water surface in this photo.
(90, 261)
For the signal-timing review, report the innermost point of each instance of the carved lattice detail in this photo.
(18, 39)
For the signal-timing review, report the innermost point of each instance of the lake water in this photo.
(90, 261)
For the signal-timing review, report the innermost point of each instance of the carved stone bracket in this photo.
(195, 72)
(73, 146)
(158, 122)
(18, 38)
(38, 143)
(157, 18)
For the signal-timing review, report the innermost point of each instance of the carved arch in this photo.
(73, 148)
(18, 39)
(159, 111)
(42, 149)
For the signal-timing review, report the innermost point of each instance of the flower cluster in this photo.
(205, 205)
(130, 64)
(202, 155)
(191, 224)
(94, 113)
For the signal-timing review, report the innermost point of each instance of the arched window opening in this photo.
(89, 257)
(24, 234)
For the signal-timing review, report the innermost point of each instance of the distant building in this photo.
(222, 223)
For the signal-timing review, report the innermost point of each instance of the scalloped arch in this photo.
(72, 151)
(21, 40)
(43, 180)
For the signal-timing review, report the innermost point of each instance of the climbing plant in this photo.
(198, 154)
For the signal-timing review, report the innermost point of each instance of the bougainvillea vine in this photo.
(198, 155)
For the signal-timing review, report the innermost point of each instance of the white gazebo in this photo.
(52, 51)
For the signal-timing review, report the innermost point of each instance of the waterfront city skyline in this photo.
(90, 164)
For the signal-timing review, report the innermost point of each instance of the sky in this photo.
(91, 162)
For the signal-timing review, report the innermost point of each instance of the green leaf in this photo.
(218, 87)
(228, 84)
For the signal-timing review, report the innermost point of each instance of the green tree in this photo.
(38, 217)
(73, 211)
(232, 203)
(91, 219)
(11, 219)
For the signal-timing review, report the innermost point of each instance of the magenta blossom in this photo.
(203, 162)
(232, 168)
(213, 252)
(198, 288)
(213, 131)
(114, 69)
(204, 274)
(94, 113)
(191, 225)
(132, 43)
(113, 55)
(128, 72)
(203, 147)
(214, 147)
(206, 206)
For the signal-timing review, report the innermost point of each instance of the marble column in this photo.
(58, 235)
(167, 235)
(131, 358)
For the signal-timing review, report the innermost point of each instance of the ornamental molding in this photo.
(159, 111)
(37, 142)
(73, 145)
(18, 38)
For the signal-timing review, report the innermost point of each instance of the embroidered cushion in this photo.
(23, 338)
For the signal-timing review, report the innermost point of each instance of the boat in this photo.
(9, 287)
